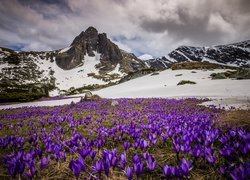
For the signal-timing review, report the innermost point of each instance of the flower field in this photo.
(135, 138)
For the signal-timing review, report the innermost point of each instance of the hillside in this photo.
(237, 54)
(91, 61)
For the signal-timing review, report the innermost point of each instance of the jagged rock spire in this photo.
(90, 42)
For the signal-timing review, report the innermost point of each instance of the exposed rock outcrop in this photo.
(91, 42)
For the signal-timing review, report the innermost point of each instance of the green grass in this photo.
(178, 75)
(155, 73)
(182, 82)
(238, 74)
(20, 96)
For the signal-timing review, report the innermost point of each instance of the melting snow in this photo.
(227, 92)
(179, 52)
(76, 77)
(165, 85)
(64, 49)
(2, 55)
(4, 65)
(41, 103)
(116, 71)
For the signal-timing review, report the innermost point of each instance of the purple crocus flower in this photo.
(153, 138)
(126, 145)
(210, 155)
(77, 166)
(84, 152)
(186, 166)
(223, 170)
(145, 155)
(176, 171)
(39, 152)
(197, 151)
(138, 167)
(167, 170)
(151, 163)
(129, 173)
(246, 147)
(44, 162)
(211, 158)
(136, 159)
(106, 167)
(241, 172)
(31, 170)
(92, 154)
(135, 145)
(98, 166)
(123, 161)
(144, 144)
(124, 157)
(15, 165)
(227, 151)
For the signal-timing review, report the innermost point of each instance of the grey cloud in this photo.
(144, 26)
(199, 28)
(191, 28)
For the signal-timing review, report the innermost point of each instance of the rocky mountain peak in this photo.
(87, 40)
(90, 42)
(91, 29)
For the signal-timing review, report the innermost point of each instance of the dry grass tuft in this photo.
(199, 65)
(236, 118)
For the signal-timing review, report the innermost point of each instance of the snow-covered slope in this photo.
(40, 68)
(160, 63)
(165, 85)
(77, 77)
(226, 92)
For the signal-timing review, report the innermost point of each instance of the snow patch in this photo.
(228, 102)
(4, 65)
(182, 54)
(64, 49)
(41, 103)
(165, 85)
(2, 56)
(77, 77)
(216, 62)
(116, 70)
(170, 59)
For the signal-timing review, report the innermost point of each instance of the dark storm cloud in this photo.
(145, 26)
(244, 6)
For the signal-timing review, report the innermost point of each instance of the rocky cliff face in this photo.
(90, 43)
(237, 54)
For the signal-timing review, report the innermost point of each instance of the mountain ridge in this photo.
(235, 54)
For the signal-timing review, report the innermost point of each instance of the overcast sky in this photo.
(141, 26)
